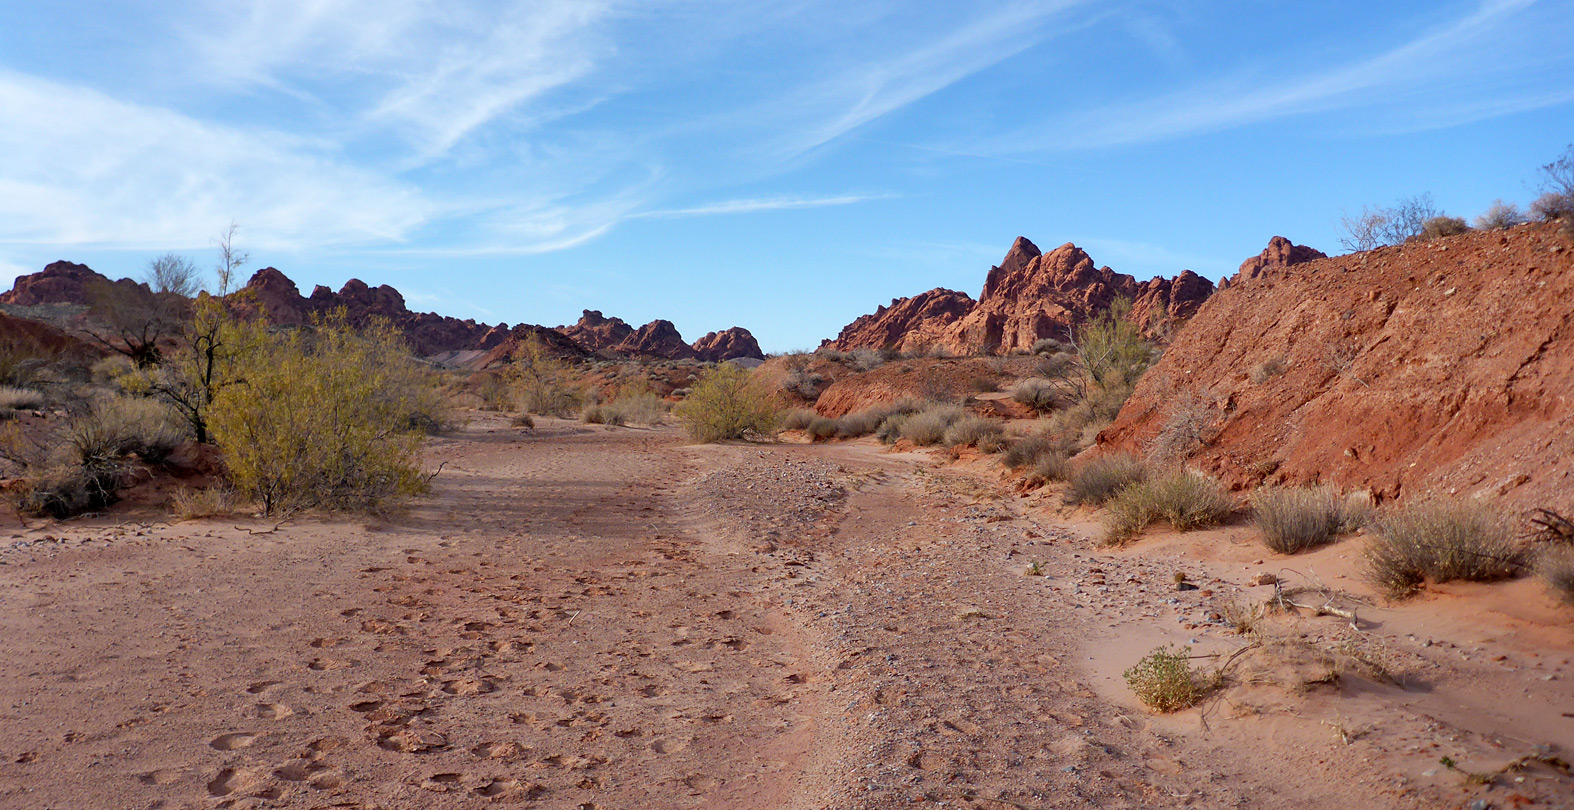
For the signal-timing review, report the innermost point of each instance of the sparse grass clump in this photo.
(1440, 226)
(1097, 480)
(988, 435)
(821, 428)
(1188, 425)
(640, 409)
(21, 399)
(1295, 519)
(1267, 369)
(194, 504)
(798, 419)
(928, 427)
(806, 384)
(1037, 393)
(890, 431)
(1440, 540)
(1185, 499)
(726, 403)
(1499, 215)
(1051, 466)
(1165, 682)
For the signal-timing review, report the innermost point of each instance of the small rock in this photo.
(1265, 579)
(1185, 586)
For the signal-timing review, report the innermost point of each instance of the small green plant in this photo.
(1165, 682)
(1035, 570)
(727, 403)
(1440, 540)
(1097, 480)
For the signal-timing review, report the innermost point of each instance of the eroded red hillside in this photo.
(1443, 366)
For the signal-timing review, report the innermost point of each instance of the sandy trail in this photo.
(609, 618)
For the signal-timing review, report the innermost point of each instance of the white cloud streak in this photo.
(755, 206)
(1457, 73)
(82, 168)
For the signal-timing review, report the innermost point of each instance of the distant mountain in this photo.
(279, 299)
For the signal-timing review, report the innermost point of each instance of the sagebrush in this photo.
(1440, 540)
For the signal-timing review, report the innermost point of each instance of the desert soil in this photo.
(584, 617)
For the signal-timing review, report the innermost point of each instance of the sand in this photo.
(585, 617)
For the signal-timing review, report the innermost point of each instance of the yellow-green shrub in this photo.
(321, 417)
(726, 403)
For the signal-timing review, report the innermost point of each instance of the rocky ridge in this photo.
(1030, 295)
(272, 292)
(1432, 367)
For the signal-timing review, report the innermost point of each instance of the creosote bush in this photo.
(1097, 480)
(1440, 540)
(1185, 499)
(1165, 682)
(320, 418)
(726, 403)
(1295, 519)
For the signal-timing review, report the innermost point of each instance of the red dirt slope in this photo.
(1443, 366)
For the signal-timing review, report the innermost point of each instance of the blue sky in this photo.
(784, 165)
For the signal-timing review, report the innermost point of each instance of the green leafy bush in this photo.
(320, 418)
(1165, 682)
(727, 403)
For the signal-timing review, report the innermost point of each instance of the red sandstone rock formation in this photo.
(1030, 295)
(658, 338)
(62, 283)
(908, 324)
(1432, 367)
(728, 344)
(427, 332)
(597, 332)
(1279, 254)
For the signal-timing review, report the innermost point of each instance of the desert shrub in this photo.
(22, 399)
(869, 420)
(1499, 215)
(1098, 479)
(1376, 227)
(1440, 540)
(1552, 205)
(193, 504)
(523, 421)
(805, 384)
(1051, 466)
(114, 428)
(1165, 682)
(542, 381)
(602, 414)
(494, 393)
(1111, 348)
(1026, 451)
(1267, 369)
(1555, 565)
(1294, 519)
(863, 359)
(726, 403)
(798, 419)
(1047, 346)
(821, 428)
(320, 418)
(1187, 426)
(1185, 499)
(983, 385)
(63, 490)
(928, 426)
(1441, 226)
(1037, 393)
(890, 431)
(988, 435)
(828, 353)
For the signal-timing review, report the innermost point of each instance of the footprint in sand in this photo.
(668, 746)
(260, 687)
(506, 751)
(466, 687)
(299, 770)
(232, 741)
(159, 777)
(274, 711)
(233, 780)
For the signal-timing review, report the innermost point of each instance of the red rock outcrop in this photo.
(728, 344)
(62, 283)
(556, 343)
(908, 324)
(427, 332)
(1279, 254)
(658, 338)
(597, 332)
(1030, 295)
(1432, 367)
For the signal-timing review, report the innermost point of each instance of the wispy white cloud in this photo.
(864, 91)
(82, 168)
(755, 206)
(1465, 70)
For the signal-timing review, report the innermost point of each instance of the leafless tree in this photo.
(1376, 227)
(175, 274)
(230, 259)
